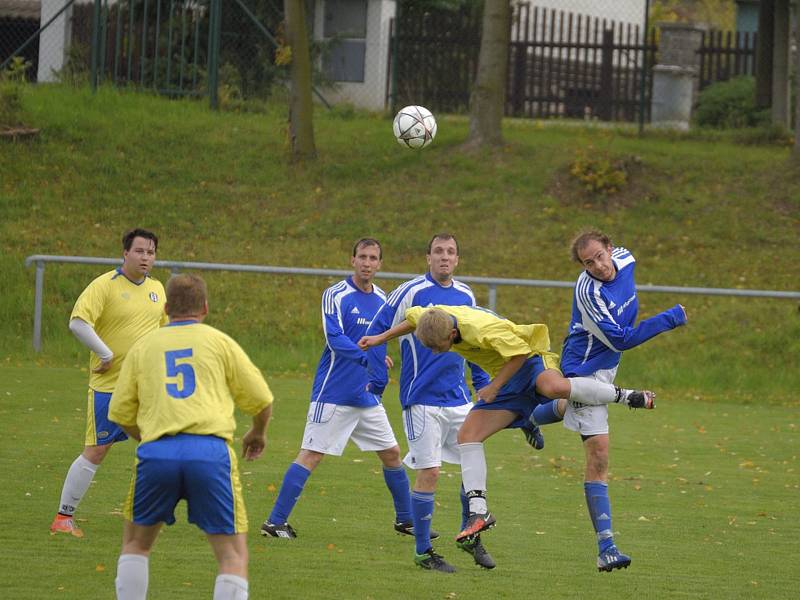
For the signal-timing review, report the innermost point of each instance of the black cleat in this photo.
(474, 547)
(612, 559)
(636, 399)
(407, 528)
(533, 435)
(434, 562)
(278, 531)
(476, 523)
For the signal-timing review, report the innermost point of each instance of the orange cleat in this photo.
(65, 524)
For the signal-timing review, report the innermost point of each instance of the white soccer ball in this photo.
(414, 127)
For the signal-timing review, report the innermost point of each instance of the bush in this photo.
(11, 81)
(730, 105)
(598, 172)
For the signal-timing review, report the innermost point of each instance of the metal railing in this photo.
(492, 282)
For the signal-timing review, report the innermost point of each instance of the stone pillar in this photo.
(675, 78)
(53, 41)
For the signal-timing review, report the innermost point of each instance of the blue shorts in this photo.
(519, 394)
(99, 430)
(200, 469)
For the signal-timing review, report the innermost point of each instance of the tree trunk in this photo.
(797, 84)
(301, 108)
(764, 50)
(488, 98)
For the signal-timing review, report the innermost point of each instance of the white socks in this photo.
(79, 477)
(132, 575)
(230, 587)
(473, 473)
(586, 390)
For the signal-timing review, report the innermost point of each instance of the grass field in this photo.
(705, 499)
(705, 489)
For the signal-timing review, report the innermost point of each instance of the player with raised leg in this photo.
(114, 311)
(524, 373)
(603, 325)
(176, 394)
(342, 408)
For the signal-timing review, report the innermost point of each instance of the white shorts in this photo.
(432, 433)
(590, 420)
(330, 426)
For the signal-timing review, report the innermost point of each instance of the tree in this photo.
(797, 84)
(301, 108)
(488, 98)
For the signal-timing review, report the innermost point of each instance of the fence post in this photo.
(643, 78)
(37, 309)
(606, 112)
(214, 29)
(492, 297)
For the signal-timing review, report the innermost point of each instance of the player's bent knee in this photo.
(96, 454)
(390, 457)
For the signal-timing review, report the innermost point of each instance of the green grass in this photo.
(218, 188)
(704, 498)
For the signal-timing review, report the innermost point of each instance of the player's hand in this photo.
(105, 365)
(389, 362)
(253, 445)
(487, 394)
(685, 315)
(368, 341)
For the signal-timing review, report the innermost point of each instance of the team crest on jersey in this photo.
(153, 296)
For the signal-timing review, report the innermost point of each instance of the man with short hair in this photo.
(342, 408)
(176, 395)
(114, 311)
(433, 393)
(524, 373)
(603, 325)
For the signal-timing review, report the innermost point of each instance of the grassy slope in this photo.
(218, 188)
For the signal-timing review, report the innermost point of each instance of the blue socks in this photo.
(546, 413)
(422, 509)
(397, 481)
(600, 512)
(293, 483)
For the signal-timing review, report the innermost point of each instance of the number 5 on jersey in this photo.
(185, 370)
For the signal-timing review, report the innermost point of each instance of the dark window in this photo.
(346, 22)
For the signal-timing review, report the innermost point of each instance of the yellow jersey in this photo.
(120, 311)
(491, 341)
(186, 378)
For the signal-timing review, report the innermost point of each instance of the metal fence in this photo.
(40, 260)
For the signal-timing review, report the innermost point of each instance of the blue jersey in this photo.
(603, 317)
(425, 377)
(342, 371)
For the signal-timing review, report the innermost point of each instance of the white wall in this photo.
(371, 94)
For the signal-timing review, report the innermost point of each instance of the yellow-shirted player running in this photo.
(176, 394)
(114, 311)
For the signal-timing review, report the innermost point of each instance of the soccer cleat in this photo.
(476, 523)
(612, 559)
(474, 547)
(65, 524)
(434, 562)
(636, 399)
(407, 528)
(534, 435)
(278, 531)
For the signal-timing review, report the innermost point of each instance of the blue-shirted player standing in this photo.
(433, 393)
(604, 310)
(341, 407)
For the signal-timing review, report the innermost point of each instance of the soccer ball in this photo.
(414, 127)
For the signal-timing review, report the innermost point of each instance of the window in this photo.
(346, 22)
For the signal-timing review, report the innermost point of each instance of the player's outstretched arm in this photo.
(255, 440)
(369, 341)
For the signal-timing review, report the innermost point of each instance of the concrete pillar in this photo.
(675, 78)
(53, 41)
